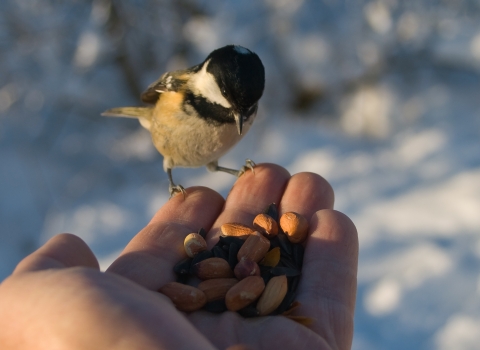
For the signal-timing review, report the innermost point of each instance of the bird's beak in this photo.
(239, 122)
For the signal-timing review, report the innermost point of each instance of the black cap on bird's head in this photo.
(241, 77)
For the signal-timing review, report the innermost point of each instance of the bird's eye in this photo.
(224, 92)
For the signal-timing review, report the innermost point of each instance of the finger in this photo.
(305, 194)
(328, 285)
(61, 251)
(85, 309)
(150, 256)
(250, 195)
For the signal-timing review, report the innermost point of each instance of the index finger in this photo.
(148, 259)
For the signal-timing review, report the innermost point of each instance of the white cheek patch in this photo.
(203, 83)
(241, 50)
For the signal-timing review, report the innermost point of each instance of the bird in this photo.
(196, 115)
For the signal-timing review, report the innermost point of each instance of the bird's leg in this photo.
(249, 165)
(172, 188)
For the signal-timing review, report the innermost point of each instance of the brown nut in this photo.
(236, 229)
(194, 244)
(212, 268)
(266, 224)
(295, 226)
(245, 268)
(217, 288)
(244, 293)
(254, 248)
(185, 298)
(273, 295)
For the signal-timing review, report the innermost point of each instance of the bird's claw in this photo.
(173, 189)
(249, 165)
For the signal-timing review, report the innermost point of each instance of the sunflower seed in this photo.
(287, 271)
(284, 243)
(298, 253)
(183, 266)
(293, 283)
(232, 254)
(227, 240)
(216, 306)
(272, 211)
(219, 253)
(285, 305)
(206, 254)
(249, 311)
(202, 232)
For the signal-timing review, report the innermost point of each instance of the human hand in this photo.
(58, 298)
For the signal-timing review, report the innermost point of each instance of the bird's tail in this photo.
(143, 114)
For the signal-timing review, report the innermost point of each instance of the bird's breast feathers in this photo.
(185, 139)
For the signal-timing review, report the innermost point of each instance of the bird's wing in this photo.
(170, 81)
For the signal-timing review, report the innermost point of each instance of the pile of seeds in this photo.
(254, 271)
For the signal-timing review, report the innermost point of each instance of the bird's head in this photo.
(234, 77)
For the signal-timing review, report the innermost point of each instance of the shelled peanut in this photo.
(252, 270)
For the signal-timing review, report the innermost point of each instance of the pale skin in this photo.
(57, 298)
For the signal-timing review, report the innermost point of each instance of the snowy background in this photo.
(379, 97)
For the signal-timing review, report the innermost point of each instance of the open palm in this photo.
(120, 308)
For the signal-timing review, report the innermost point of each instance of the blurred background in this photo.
(381, 97)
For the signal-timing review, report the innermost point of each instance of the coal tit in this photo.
(200, 113)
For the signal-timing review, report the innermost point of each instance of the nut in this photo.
(217, 288)
(244, 293)
(244, 252)
(185, 298)
(194, 244)
(254, 248)
(273, 295)
(212, 268)
(272, 258)
(236, 229)
(295, 226)
(266, 224)
(245, 268)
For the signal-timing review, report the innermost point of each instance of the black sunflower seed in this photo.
(298, 253)
(249, 311)
(287, 271)
(272, 211)
(274, 242)
(293, 284)
(183, 266)
(216, 306)
(183, 279)
(265, 273)
(286, 302)
(227, 240)
(219, 253)
(265, 269)
(286, 261)
(232, 255)
(284, 243)
(206, 254)
(202, 232)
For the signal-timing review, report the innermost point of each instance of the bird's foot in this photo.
(173, 189)
(249, 165)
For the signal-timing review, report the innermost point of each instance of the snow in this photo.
(394, 127)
